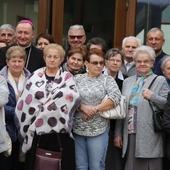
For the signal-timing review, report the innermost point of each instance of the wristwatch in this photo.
(97, 108)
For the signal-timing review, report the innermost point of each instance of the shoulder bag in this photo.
(118, 112)
(157, 114)
(48, 160)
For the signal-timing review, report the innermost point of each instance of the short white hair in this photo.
(131, 37)
(76, 27)
(144, 49)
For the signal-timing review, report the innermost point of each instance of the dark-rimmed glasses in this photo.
(76, 36)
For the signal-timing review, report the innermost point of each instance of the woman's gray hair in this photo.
(16, 51)
(54, 46)
(144, 49)
(164, 61)
(129, 38)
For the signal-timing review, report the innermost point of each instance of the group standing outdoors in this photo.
(50, 92)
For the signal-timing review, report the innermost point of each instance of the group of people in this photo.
(54, 91)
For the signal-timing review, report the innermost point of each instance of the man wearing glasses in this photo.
(76, 38)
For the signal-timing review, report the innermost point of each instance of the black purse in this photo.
(48, 160)
(157, 114)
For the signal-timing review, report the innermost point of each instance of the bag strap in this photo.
(58, 140)
(152, 82)
(149, 88)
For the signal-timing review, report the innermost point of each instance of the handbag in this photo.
(118, 112)
(157, 114)
(48, 160)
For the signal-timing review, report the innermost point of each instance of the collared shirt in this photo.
(129, 65)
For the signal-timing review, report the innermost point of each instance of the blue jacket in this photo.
(10, 106)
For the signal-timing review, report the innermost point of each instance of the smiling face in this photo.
(143, 63)
(8, 36)
(15, 65)
(75, 62)
(76, 37)
(24, 34)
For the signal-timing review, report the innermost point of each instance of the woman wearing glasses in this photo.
(46, 107)
(90, 129)
(143, 148)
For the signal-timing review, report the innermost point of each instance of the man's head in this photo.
(155, 39)
(7, 33)
(129, 44)
(76, 36)
(98, 43)
(24, 33)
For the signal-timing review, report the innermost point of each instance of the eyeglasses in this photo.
(76, 36)
(114, 61)
(144, 61)
(54, 57)
(95, 63)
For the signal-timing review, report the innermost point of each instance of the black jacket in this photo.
(33, 61)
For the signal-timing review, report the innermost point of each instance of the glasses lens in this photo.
(96, 63)
(76, 36)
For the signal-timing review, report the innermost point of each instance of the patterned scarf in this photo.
(43, 110)
(137, 87)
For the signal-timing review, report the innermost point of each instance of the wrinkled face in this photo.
(166, 70)
(8, 36)
(143, 63)
(42, 43)
(155, 40)
(95, 66)
(75, 62)
(2, 44)
(53, 59)
(129, 47)
(114, 63)
(24, 34)
(76, 38)
(15, 65)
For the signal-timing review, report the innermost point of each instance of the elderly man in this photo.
(76, 38)
(129, 44)
(24, 36)
(155, 39)
(7, 34)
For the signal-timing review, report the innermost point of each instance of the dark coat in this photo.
(33, 61)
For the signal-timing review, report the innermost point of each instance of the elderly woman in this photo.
(75, 60)
(90, 129)
(166, 68)
(16, 76)
(46, 107)
(114, 59)
(142, 146)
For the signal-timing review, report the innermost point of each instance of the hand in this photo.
(90, 111)
(118, 142)
(146, 93)
(86, 118)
